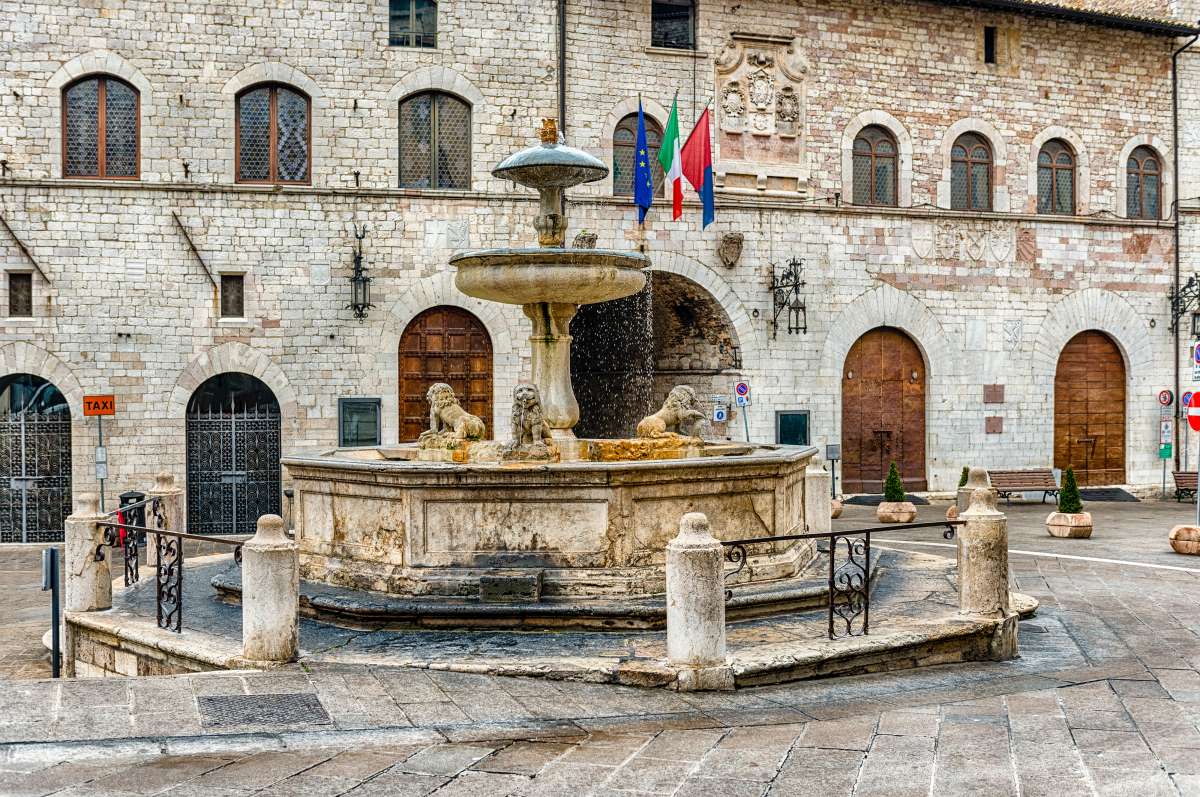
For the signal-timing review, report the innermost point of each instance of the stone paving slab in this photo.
(1103, 701)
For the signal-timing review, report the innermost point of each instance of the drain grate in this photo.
(227, 711)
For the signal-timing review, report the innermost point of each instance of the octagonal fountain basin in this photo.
(565, 276)
(381, 521)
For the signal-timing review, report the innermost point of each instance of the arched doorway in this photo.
(883, 412)
(1089, 409)
(627, 354)
(444, 344)
(35, 460)
(233, 447)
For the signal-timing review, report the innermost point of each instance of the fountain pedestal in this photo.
(550, 346)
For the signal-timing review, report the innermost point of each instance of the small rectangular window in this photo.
(673, 24)
(358, 422)
(233, 296)
(20, 295)
(412, 23)
(791, 428)
(989, 44)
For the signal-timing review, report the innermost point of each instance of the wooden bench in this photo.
(1185, 484)
(1007, 482)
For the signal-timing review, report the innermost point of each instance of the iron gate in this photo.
(35, 476)
(232, 468)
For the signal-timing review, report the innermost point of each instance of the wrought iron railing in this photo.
(125, 528)
(849, 582)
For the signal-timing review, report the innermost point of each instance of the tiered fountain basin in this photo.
(558, 536)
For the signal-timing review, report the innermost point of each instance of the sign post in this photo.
(1185, 401)
(742, 391)
(1194, 423)
(50, 580)
(1166, 431)
(99, 406)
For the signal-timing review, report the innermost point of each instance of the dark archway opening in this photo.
(35, 460)
(627, 354)
(234, 428)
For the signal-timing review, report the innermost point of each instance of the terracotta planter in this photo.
(896, 512)
(1186, 540)
(1075, 526)
(835, 508)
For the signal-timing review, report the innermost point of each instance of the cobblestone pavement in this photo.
(26, 614)
(1105, 700)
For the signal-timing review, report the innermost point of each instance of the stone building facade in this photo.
(126, 275)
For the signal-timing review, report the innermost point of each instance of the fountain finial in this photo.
(549, 131)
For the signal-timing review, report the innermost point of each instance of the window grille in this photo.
(435, 142)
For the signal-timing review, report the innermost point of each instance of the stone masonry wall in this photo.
(989, 298)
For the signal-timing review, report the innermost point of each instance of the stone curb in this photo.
(87, 750)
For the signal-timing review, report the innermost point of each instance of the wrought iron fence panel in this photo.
(849, 569)
(169, 582)
(849, 585)
(35, 476)
(233, 469)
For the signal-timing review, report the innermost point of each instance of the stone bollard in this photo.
(977, 478)
(89, 583)
(818, 504)
(270, 594)
(696, 607)
(983, 571)
(172, 512)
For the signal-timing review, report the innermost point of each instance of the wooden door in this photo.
(1089, 409)
(444, 344)
(883, 412)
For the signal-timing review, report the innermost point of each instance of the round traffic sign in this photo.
(1165, 397)
(1194, 418)
(1186, 399)
(743, 388)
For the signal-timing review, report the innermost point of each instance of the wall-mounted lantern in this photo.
(786, 292)
(360, 283)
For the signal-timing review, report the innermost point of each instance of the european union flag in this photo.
(643, 178)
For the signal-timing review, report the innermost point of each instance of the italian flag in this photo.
(670, 157)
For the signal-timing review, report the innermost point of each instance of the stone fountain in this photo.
(546, 528)
(551, 282)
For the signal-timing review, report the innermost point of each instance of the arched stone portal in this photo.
(627, 354)
(444, 344)
(234, 428)
(883, 411)
(35, 459)
(1089, 409)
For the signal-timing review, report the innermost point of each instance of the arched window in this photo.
(971, 173)
(100, 128)
(435, 141)
(1143, 184)
(624, 151)
(875, 169)
(273, 135)
(1056, 178)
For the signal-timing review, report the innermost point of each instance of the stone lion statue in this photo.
(447, 419)
(530, 431)
(680, 414)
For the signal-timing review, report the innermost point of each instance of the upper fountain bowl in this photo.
(551, 166)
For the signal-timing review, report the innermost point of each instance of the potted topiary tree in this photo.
(893, 508)
(1070, 520)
